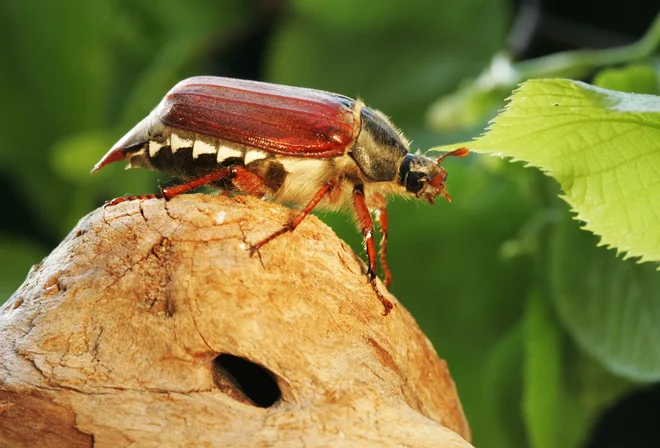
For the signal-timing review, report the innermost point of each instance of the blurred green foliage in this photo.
(475, 273)
(633, 78)
(480, 97)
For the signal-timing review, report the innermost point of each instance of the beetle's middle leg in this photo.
(325, 190)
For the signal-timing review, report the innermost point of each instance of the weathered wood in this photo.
(113, 340)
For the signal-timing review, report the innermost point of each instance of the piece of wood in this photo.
(116, 338)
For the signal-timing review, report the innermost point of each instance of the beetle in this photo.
(288, 144)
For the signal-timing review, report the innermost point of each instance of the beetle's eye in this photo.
(415, 181)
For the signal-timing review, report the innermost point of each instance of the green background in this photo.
(478, 274)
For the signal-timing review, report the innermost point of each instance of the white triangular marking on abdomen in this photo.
(225, 152)
(201, 147)
(154, 147)
(178, 142)
(253, 155)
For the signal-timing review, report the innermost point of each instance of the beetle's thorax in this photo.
(379, 147)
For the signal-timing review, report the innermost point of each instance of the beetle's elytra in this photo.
(287, 144)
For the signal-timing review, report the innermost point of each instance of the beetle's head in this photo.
(424, 177)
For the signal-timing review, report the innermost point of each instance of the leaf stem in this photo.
(579, 63)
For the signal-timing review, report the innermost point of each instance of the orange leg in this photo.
(327, 188)
(382, 218)
(243, 179)
(247, 182)
(121, 199)
(169, 193)
(367, 227)
(381, 211)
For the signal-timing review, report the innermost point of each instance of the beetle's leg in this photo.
(248, 182)
(169, 193)
(367, 227)
(381, 213)
(327, 188)
(121, 199)
(215, 176)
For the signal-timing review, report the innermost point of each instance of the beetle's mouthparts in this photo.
(430, 193)
(442, 192)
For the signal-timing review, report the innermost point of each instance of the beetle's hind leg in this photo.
(240, 177)
(121, 199)
(170, 192)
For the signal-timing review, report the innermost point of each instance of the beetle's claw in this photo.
(254, 249)
(118, 200)
(371, 276)
(387, 304)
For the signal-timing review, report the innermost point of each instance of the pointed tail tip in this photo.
(114, 155)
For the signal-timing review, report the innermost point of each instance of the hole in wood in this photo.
(245, 381)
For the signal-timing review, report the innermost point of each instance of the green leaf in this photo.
(602, 146)
(502, 391)
(610, 306)
(635, 78)
(564, 390)
(593, 387)
(543, 384)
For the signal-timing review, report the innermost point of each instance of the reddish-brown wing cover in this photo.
(285, 120)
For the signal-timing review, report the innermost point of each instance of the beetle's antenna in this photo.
(460, 152)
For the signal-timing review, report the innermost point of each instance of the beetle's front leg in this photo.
(326, 189)
(381, 212)
(367, 228)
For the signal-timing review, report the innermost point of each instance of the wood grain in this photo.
(113, 339)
